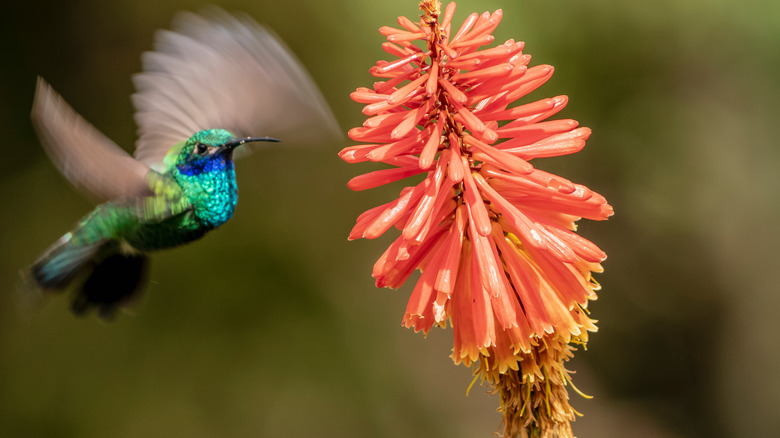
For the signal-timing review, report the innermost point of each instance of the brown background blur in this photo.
(271, 326)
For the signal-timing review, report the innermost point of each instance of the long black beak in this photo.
(236, 142)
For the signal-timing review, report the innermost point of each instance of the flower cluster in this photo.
(492, 235)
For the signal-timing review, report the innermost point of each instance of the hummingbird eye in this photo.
(201, 148)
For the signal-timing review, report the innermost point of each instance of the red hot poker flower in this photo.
(492, 235)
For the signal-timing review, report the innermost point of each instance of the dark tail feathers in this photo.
(112, 278)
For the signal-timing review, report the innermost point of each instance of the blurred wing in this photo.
(218, 70)
(169, 200)
(89, 160)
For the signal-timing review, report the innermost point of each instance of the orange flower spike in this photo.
(493, 236)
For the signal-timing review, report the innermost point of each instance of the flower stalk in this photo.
(493, 236)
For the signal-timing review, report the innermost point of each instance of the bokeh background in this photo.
(271, 326)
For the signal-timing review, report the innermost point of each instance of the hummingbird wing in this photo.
(89, 160)
(218, 70)
(168, 200)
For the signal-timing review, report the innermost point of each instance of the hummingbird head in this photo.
(210, 150)
(204, 170)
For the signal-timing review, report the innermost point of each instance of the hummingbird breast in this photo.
(211, 187)
(174, 231)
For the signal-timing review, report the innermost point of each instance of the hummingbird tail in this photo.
(112, 277)
(62, 262)
(114, 281)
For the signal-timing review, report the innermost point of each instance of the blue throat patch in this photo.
(216, 163)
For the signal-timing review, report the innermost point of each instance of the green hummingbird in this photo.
(208, 85)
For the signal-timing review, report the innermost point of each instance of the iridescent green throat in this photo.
(204, 170)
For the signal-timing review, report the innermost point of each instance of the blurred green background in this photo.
(271, 326)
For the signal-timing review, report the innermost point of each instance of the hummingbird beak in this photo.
(236, 142)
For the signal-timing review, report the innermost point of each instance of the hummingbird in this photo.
(208, 85)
